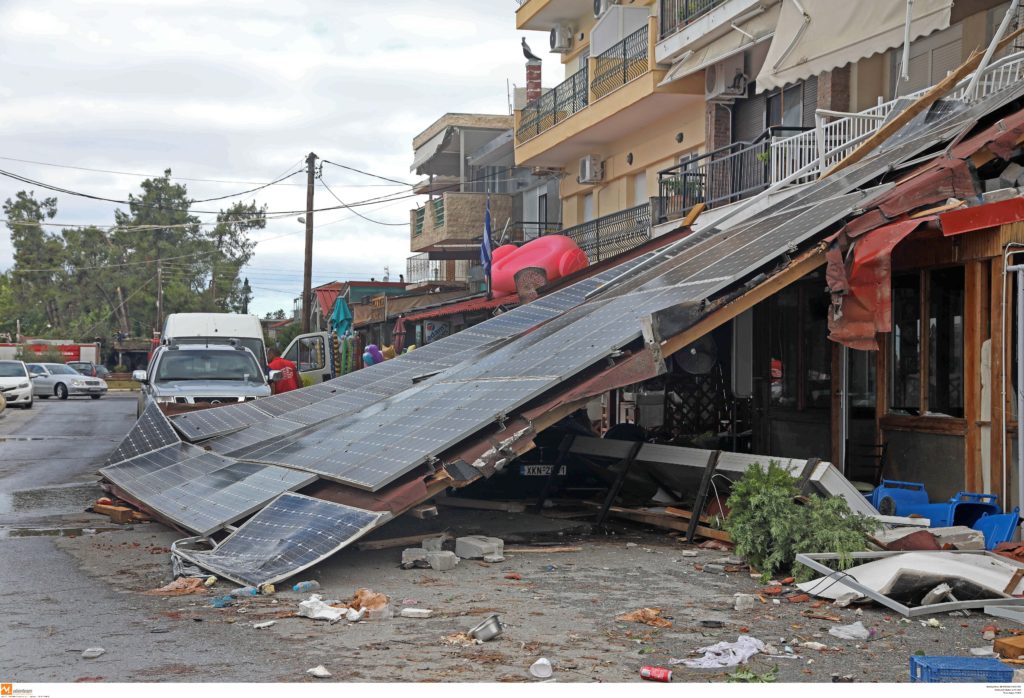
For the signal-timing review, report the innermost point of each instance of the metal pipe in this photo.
(905, 72)
(972, 87)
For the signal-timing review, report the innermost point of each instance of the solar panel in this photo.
(151, 431)
(198, 490)
(292, 533)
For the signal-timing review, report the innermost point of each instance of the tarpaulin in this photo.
(860, 284)
(341, 319)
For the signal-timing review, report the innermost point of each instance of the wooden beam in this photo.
(402, 542)
(692, 216)
(934, 94)
(668, 521)
(482, 504)
(718, 317)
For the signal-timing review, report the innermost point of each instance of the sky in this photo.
(241, 91)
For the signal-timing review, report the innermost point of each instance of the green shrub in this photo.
(770, 524)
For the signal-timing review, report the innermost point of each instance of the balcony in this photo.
(782, 156)
(541, 15)
(676, 14)
(616, 94)
(421, 269)
(613, 234)
(452, 224)
(689, 25)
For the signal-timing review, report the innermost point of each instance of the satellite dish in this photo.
(698, 358)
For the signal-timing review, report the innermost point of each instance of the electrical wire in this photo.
(368, 174)
(366, 218)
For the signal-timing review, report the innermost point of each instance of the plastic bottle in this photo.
(303, 587)
(245, 591)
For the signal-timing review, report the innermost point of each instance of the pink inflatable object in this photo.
(557, 255)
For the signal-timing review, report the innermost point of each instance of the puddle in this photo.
(63, 499)
(58, 532)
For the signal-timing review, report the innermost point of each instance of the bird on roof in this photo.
(528, 53)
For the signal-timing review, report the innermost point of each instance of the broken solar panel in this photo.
(151, 431)
(198, 490)
(290, 534)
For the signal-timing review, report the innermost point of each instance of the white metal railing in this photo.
(835, 134)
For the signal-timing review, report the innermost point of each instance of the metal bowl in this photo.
(489, 629)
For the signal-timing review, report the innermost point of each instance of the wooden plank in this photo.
(692, 216)
(673, 523)
(401, 542)
(934, 94)
(120, 515)
(684, 514)
(551, 549)
(482, 504)
(718, 317)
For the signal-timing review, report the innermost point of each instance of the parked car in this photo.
(88, 368)
(15, 384)
(192, 376)
(62, 381)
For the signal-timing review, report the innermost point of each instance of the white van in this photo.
(216, 328)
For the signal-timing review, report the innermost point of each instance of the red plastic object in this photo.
(557, 255)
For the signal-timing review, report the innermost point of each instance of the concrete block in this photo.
(411, 555)
(994, 195)
(494, 558)
(993, 184)
(442, 560)
(478, 546)
(435, 543)
(1011, 174)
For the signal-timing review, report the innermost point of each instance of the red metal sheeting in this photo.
(469, 306)
(861, 289)
(967, 220)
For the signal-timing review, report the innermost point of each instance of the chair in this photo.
(865, 465)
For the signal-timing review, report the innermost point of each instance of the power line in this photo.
(368, 174)
(367, 218)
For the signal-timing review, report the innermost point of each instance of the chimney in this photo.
(532, 80)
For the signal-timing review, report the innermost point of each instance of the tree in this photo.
(38, 276)
(231, 249)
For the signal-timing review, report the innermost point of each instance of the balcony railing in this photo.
(420, 269)
(775, 159)
(421, 214)
(722, 176)
(613, 234)
(438, 205)
(554, 106)
(676, 14)
(625, 61)
(524, 231)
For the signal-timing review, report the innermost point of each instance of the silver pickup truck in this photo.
(196, 376)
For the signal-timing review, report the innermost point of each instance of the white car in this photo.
(15, 384)
(58, 380)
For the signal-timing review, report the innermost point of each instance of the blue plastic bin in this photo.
(959, 670)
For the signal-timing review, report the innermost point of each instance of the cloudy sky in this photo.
(241, 91)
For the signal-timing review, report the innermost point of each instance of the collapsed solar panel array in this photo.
(368, 428)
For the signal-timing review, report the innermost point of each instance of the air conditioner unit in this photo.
(601, 6)
(591, 169)
(561, 38)
(725, 80)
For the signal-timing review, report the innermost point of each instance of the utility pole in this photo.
(159, 296)
(307, 272)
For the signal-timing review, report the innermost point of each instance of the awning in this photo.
(759, 28)
(431, 148)
(861, 287)
(472, 305)
(834, 33)
(968, 220)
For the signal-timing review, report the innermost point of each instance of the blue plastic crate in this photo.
(959, 670)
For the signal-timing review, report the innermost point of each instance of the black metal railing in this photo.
(622, 63)
(553, 106)
(723, 176)
(524, 231)
(419, 269)
(613, 234)
(676, 14)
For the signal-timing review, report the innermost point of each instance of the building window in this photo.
(785, 107)
(939, 354)
(800, 355)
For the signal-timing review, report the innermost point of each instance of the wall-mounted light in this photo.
(679, 137)
(629, 158)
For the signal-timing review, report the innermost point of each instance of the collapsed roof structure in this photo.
(369, 445)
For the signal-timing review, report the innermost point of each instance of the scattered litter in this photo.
(244, 591)
(744, 602)
(180, 587)
(488, 629)
(377, 605)
(416, 613)
(630, 545)
(983, 652)
(210, 581)
(222, 601)
(854, 631)
(304, 587)
(817, 646)
(92, 652)
(319, 672)
(461, 639)
(315, 608)
(725, 654)
(711, 623)
(656, 673)
(354, 616)
(494, 558)
(513, 575)
(688, 553)
(268, 589)
(713, 568)
(846, 599)
(541, 668)
(264, 624)
(931, 623)
(989, 632)
(647, 616)
(713, 544)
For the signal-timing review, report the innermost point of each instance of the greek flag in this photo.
(485, 244)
